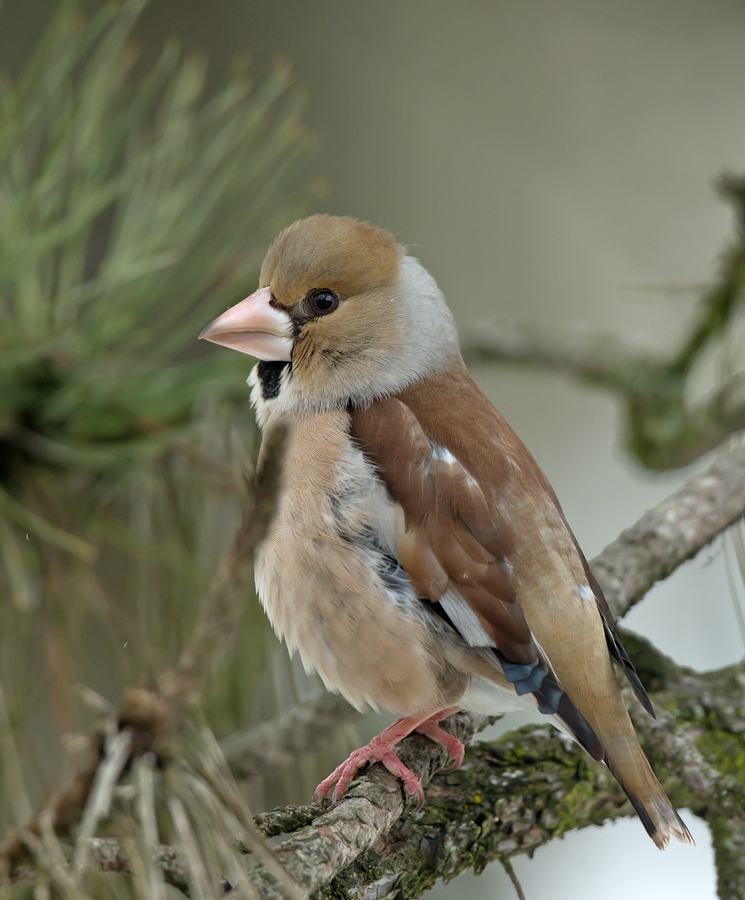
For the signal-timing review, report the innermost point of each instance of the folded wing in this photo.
(455, 551)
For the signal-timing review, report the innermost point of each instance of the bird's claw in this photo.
(342, 775)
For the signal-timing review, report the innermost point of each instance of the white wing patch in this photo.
(465, 620)
(443, 455)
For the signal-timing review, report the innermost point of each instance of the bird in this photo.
(419, 560)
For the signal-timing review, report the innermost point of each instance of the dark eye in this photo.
(323, 302)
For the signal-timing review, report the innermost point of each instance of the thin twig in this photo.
(280, 741)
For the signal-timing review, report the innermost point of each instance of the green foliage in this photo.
(134, 207)
(130, 211)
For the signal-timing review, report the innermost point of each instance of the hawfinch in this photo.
(419, 559)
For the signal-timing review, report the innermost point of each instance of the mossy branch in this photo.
(662, 429)
(510, 797)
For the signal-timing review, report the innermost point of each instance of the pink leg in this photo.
(431, 729)
(380, 749)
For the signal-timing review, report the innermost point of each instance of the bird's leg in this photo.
(431, 729)
(380, 749)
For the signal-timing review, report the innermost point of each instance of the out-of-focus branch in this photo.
(234, 580)
(601, 360)
(663, 429)
(279, 741)
(152, 717)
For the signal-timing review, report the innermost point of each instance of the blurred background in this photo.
(551, 163)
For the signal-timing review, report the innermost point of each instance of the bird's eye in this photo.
(323, 302)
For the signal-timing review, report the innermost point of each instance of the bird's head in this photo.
(341, 315)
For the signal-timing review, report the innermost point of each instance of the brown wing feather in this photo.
(453, 541)
(444, 510)
(615, 647)
(484, 448)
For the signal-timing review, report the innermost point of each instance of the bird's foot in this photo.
(341, 777)
(456, 749)
(380, 749)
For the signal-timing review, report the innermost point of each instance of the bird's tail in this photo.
(631, 769)
(609, 737)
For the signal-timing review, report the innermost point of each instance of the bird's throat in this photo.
(270, 378)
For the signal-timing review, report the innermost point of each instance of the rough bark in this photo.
(673, 532)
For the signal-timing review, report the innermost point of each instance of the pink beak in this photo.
(255, 327)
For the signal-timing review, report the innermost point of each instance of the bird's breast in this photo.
(333, 588)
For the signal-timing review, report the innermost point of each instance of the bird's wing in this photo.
(455, 552)
(615, 647)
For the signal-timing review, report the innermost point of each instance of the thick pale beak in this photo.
(255, 327)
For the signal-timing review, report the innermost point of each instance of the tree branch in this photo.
(516, 794)
(662, 430)
(510, 797)
(279, 741)
(374, 801)
(673, 532)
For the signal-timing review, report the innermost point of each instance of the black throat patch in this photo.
(270, 378)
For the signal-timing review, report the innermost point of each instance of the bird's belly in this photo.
(335, 596)
(364, 642)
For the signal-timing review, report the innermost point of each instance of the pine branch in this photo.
(152, 717)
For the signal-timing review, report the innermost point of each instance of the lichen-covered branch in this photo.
(333, 841)
(516, 794)
(663, 429)
(510, 797)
